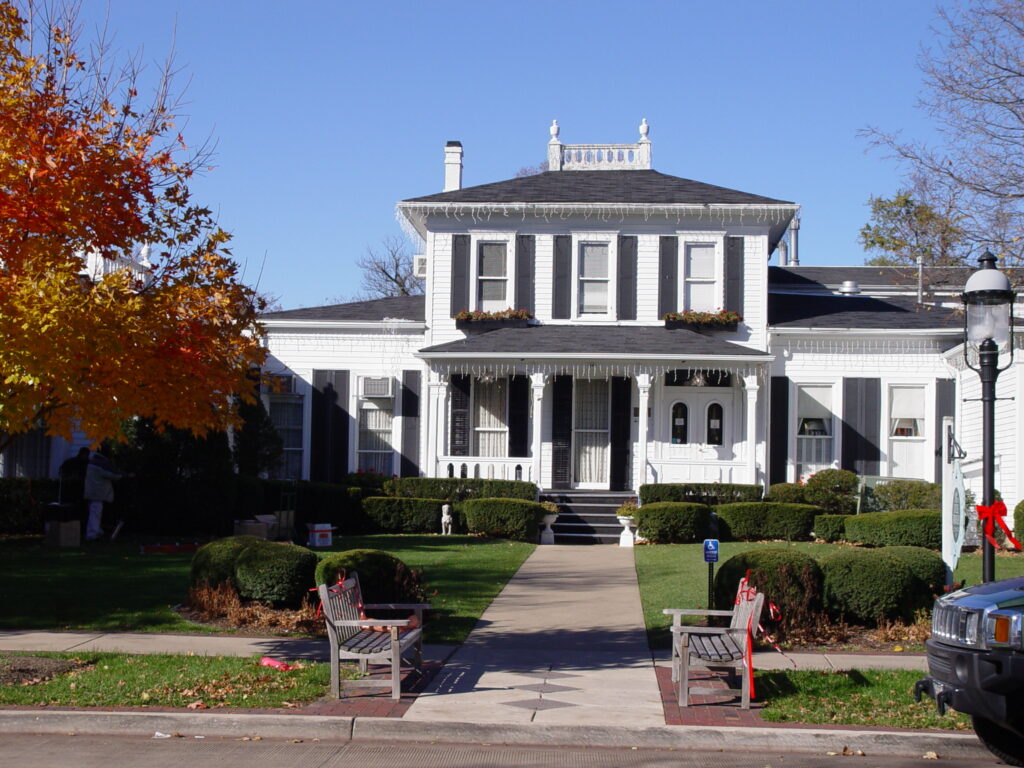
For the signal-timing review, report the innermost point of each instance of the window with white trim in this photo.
(594, 279)
(490, 417)
(814, 441)
(285, 408)
(375, 452)
(716, 424)
(492, 277)
(698, 289)
(680, 416)
(908, 455)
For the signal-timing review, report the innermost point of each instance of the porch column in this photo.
(435, 430)
(751, 387)
(643, 383)
(537, 384)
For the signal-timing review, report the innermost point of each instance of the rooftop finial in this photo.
(554, 132)
(644, 130)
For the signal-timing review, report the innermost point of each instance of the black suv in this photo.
(976, 663)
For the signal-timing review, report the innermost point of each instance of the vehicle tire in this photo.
(1001, 742)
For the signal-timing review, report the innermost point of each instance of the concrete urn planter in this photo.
(627, 537)
(547, 536)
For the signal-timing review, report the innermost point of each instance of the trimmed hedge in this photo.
(765, 520)
(898, 495)
(214, 563)
(699, 493)
(912, 527)
(834, 490)
(929, 572)
(339, 505)
(22, 501)
(1018, 521)
(459, 488)
(280, 574)
(668, 522)
(383, 578)
(787, 493)
(404, 515)
(790, 579)
(830, 527)
(515, 519)
(866, 586)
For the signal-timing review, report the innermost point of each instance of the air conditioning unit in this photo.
(419, 266)
(376, 386)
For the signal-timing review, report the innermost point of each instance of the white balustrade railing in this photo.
(485, 467)
(605, 157)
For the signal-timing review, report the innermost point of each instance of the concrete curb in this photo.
(308, 727)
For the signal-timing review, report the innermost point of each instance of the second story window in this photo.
(698, 277)
(492, 277)
(593, 272)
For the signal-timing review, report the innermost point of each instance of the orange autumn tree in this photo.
(89, 341)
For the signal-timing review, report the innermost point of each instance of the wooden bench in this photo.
(369, 641)
(715, 647)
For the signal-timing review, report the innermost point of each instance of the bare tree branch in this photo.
(388, 270)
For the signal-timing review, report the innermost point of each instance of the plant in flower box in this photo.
(723, 319)
(505, 318)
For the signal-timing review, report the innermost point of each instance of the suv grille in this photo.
(956, 625)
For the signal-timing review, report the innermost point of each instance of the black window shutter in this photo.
(862, 413)
(519, 416)
(459, 387)
(622, 406)
(561, 432)
(328, 445)
(734, 274)
(945, 405)
(627, 277)
(561, 297)
(668, 275)
(525, 250)
(410, 464)
(460, 273)
(778, 438)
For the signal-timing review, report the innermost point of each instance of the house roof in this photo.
(592, 341)
(868, 277)
(376, 310)
(857, 312)
(632, 187)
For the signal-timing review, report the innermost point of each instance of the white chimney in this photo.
(452, 166)
(783, 248)
(794, 231)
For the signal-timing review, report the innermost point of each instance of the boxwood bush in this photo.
(383, 578)
(668, 522)
(280, 574)
(787, 493)
(865, 586)
(896, 495)
(214, 563)
(515, 519)
(834, 490)
(459, 488)
(699, 493)
(1018, 521)
(759, 521)
(912, 527)
(404, 515)
(790, 579)
(830, 527)
(929, 572)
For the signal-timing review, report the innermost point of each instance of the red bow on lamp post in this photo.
(990, 516)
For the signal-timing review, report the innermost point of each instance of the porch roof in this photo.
(859, 312)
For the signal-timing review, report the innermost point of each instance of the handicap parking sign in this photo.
(710, 550)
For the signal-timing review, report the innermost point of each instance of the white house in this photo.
(829, 366)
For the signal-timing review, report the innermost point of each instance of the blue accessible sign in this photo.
(710, 550)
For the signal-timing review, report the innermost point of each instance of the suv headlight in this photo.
(1003, 629)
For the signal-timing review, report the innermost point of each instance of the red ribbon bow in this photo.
(992, 515)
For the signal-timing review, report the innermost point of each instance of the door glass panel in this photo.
(590, 440)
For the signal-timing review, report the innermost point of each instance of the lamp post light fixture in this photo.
(988, 327)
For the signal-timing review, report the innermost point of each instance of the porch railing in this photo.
(485, 467)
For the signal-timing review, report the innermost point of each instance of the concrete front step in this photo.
(586, 517)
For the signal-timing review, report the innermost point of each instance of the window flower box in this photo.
(489, 321)
(723, 320)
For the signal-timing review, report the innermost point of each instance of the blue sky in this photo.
(326, 114)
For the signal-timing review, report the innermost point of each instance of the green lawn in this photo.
(112, 587)
(676, 576)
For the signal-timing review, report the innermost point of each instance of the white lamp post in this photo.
(988, 327)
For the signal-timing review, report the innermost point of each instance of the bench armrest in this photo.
(370, 623)
(398, 606)
(694, 612)
(688, 630)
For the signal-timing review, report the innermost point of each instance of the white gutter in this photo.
(816, 330)
(402, 325)
(682, 359)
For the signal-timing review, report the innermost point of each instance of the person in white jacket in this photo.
(99, 489)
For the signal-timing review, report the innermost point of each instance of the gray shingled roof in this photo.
(643, 187)
(594, 340)
(936, 278)
(376, 310)
(795, 311)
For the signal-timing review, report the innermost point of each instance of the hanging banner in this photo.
(954, 506)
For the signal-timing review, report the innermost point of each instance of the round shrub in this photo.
(866, 586)
(895, 495)
(830, 527)
(280, 574)
(929, 572)
(214, 563)
(760, 521)
(515, 519)
(787, 493)
(912, 528)
(667, 522)
(383, 578)
(790, 579)
(834, 490)
(404, 515)
(1018, 521)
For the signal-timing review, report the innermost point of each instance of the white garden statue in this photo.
(446, 520)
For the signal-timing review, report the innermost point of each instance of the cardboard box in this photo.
(62, 533)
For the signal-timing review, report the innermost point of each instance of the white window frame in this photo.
(795, 419)
(366, 404)
(920, 440)
(481, 237)
(295, 394)
(671, 421)
(476, 431)
(685, 239)
(610, 239)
